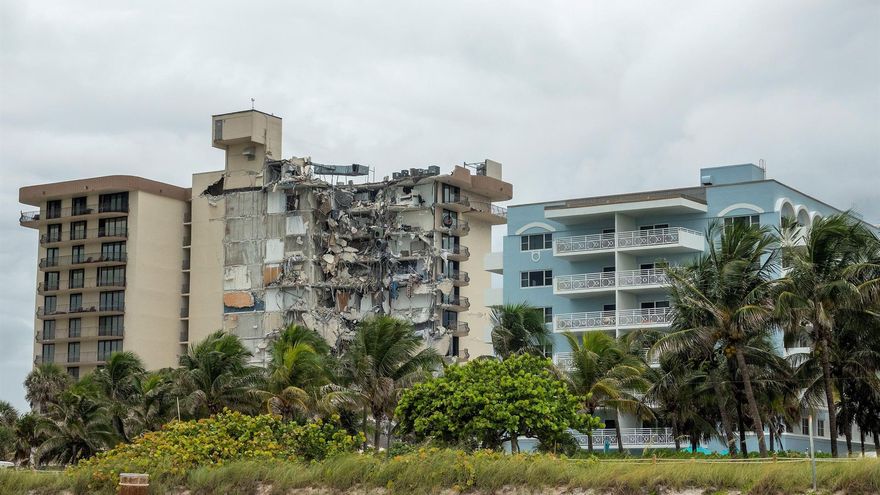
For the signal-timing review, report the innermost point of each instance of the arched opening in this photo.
(803, 217)
(787, 211)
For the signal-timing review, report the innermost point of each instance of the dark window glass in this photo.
(48, 329)
(77, 278)
(77, 230)
(548, 314)
(805, 426)
(53, 232)
(743, 220)
(48, 353)
(50, 303)
(820, 428)
(451, 194)
(108, 227)
(53, 209)
(50, 280)
(538, 278)
(110, 326)
(79, 206)
(78, 254)
(536, 241)
(73, 371)
(108, 347)
(450, 242)
(113, 251)
(76, 302)
(609, 307)
(113, 202)
(73, 352)
(112, 301)
(646, 266)
(450, 319)
(608, 269)
(111, 275)
(74, 327)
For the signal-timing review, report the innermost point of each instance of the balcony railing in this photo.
(90, 332)
(563, 360)
(455, 227)
(458, 276)
(486, 207)
(583, 281)
(462, 201)
(29, 216)
(64, 309)
(631, 437)
(459, 329)
(581, 243)
(83, 259)
(458, 253)
(606, 320)
(70, 211)
(86, 283)
(637, 278)
(459, 302)
(691, 239)
(74, 235)
(653, 237)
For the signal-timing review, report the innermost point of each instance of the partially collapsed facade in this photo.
(269, 241)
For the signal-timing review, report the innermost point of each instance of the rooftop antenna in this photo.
(763, 164)
(252, 103)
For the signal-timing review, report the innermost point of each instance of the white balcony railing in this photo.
(638, 278)
(653, 237)
(607, 320)
(563, 360)
(583, 281)
(673, 236)
(631, 437)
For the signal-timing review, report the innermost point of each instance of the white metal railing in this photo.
(584, 281)
(612, 319)
(631, 437)
(578, 243)
(652, 237)
(564, 360)
(635, 278)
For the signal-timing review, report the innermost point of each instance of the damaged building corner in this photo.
(304, 243)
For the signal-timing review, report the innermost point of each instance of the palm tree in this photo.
(298, 373)
(385, 358)
(821, 286)
(214, 374)
(8, 417)
(27, 438)
(605, 375)
(732, 298)
(45, 384)
(118, 384)
(153, 401)
(74, 428)
(518, 328)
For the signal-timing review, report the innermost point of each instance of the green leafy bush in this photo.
(229, 436)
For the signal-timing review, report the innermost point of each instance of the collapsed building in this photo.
(277, 241)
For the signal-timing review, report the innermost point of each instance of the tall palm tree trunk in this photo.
(377, 433)
(877, 441)
(862, 440)
(618, 432)
(726, 425)
(829, 391)
(589, 443)
(675, 436)
(753, 404)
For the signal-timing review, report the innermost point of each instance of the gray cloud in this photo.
(575, 98)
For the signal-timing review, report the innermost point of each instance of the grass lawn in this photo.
(446, 471)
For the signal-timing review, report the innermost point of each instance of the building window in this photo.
(113, 227)
(548, 314)
(50, 304)
(535, 242)
(77, 278)
(108, 347)
(609, 307)
(53, 209)
(48, 329)
(820, 428)
(450, 319)
(117, 202)
(74, 328)
(747, 220)
(53, 232)
(76, 302)
(113, 251)
(805, 426)
(110, 326)
(112, 301)
(79, 206)
(450, 242)
(73, 371)
(537, 278)
(77, 230)
(655, 304)
(78, 254)
(547, 350)
(73, 352)
(50, 280)
(450, 194)
(111, 275)
(48, 353)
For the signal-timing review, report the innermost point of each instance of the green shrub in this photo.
(181, 446)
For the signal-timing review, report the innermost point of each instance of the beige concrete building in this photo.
(263, 243)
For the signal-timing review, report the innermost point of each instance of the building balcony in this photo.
(633, 438)
(461, 356)
(56, 262)
(453, 226)
(670, 240)
(84, 358)
(86, 285)
(584, 284)
(63, 311)
(612, 320)
(455, 303)
(86, 334)
(459, 204)
(459, 329)
(458, 253)
(34, 218)
(489, 213)
(654, 278)
(459, 278)
(83, 237)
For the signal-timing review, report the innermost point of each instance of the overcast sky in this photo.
(574, 98)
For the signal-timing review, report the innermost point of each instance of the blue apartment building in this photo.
(597, 264)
